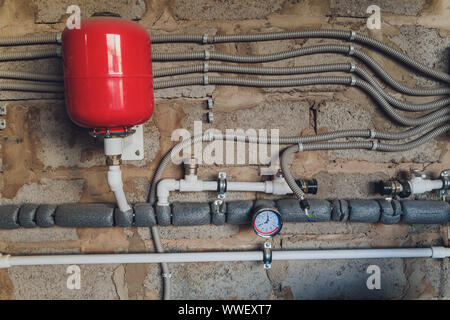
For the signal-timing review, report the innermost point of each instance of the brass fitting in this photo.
(190, 167)
(114, 160)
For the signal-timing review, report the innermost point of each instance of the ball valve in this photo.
(109, 84)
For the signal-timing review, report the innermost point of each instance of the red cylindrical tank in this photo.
(108, 74)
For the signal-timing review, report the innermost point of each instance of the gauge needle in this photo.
(267, 218)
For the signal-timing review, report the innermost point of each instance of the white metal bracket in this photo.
(133, 145)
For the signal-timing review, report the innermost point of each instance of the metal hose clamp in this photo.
(352, 35)
(372, 133)
(300, 147)
(205, 67)
(167, 275)
(353, 82)
(205, 39)
(352, 67)
(351, 50)
(59, 38)
(207, 55)
(374, 145)
(205, 80)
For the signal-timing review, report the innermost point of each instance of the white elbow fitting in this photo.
(4, 261)
(163, 190)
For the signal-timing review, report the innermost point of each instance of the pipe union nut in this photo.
(114, 160)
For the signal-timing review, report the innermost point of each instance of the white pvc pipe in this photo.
(116, 185)
(7, 261)
(193, 184)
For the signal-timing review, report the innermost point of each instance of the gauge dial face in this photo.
(267, 222)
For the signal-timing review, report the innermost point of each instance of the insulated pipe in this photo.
(7, 261)
(103, 215)
(347, 35)
(337, 49)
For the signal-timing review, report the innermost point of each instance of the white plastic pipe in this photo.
(114, 147)
(116, 185)
(7, 261)
(192, 184)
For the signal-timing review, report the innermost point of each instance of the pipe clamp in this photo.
(267, 256)
(205, 39)
(205, 67)
(207, 55)
(221, 185)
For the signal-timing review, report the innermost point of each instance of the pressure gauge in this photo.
(266, 222)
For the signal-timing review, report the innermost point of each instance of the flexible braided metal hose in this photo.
(338, 49)
(397, 103)
(343, 67)
(394, 83)
(347, 35)
(310, 81)
(32, 86)
(275, 71)
(26, 55)
(27, 40)
(285, 160)
(415, 143)
(19, 75)
(391, 111)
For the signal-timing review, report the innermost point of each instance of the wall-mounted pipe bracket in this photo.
(267, 257)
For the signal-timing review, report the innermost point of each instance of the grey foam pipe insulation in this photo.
(99, 215)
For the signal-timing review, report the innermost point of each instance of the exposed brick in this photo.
(357, 8)
(224, 10)
(49, 11)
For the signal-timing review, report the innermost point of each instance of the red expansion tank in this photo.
(108, 74)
